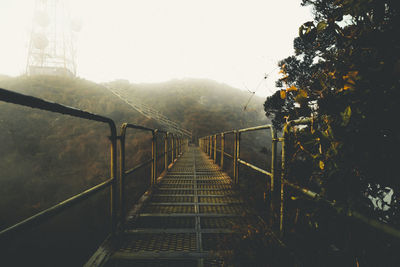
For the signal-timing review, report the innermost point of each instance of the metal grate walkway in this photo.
(186, 221)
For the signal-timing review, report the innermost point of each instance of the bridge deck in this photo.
(188, 219)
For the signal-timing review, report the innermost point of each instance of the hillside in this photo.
(203, 106)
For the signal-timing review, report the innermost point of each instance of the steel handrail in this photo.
(175, 150)
(38, 103)
(206, 144)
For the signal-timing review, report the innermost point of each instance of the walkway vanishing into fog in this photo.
(189, 219)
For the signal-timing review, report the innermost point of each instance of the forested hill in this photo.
(203, 106)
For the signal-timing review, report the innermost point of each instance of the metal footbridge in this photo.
(187, 219)
(192, 213)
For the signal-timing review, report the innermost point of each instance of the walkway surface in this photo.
(187, 221)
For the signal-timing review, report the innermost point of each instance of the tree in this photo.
(345, 74)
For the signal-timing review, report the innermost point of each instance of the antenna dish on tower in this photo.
(40, 40)
(52, 48)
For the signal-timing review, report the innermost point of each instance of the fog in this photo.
(233, 42)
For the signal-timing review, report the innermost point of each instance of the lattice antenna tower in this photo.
(52, 48)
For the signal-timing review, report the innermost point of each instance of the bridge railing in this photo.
(209, 145)
(174, 145)
(117, 186)
(278, 187)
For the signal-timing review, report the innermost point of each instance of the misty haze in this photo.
(199, 133)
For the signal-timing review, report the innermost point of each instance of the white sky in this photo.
(234, 42)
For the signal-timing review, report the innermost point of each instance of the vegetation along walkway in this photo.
(189, 219)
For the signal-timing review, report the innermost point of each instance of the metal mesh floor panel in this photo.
(222, 209)
(163, 222)
(217, 200)
(168, 209)
(174, 192)
(192, 213)
(177, 199)
(158, 242)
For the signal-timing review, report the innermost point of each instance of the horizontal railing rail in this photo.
(37, 103)
(277, 186)
(209, 145)
(178, 141)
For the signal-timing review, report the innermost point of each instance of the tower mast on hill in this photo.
(52, 42)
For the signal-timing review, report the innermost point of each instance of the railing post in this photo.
(236, 157)
(283, 174)
(177, 146)
(172, 148)
(274, 184)
(122, 172)
(222, 150)
(215, 149)
(166, 152)
(209, 146)
(113, 189)
(154, 158)
(212, 147)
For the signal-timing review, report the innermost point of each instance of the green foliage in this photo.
(345, 69)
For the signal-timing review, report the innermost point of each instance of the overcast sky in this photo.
(233, 42)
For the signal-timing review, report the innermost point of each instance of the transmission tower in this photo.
(52, 41)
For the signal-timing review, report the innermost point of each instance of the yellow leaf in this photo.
(303, 93)
(352, 74)
(350, 81)
(283, 69)
(348, 86)
(283, 94)
(350, 77)
(292, 88)
(321, 165)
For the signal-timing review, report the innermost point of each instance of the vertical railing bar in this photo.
(113, 189)
(273, 182)
(235, 156)
(215, 149)
(222, 150)
(122, 172)
(281, 217)
(166, 152)
(173, 147)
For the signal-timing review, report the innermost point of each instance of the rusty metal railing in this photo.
(117, 186)
(208, 145)
(178, 145)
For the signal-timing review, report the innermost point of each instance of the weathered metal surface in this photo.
(194, 204)
(34, 102)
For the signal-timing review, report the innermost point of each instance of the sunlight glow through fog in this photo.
(234, 42)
